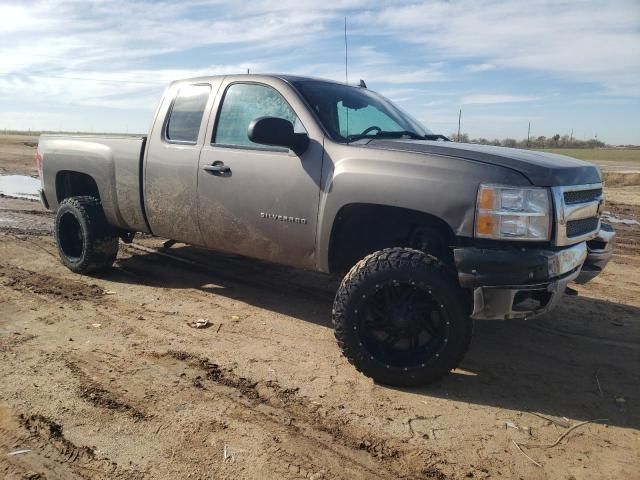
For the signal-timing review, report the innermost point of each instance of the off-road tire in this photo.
(86, 242)
(401, 265)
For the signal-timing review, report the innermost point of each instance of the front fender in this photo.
(441, 186)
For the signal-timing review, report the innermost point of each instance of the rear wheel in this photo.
(86, 242)
(399, 317)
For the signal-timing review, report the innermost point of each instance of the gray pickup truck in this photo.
(429, 234)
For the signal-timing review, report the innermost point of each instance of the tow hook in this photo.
(127, 237)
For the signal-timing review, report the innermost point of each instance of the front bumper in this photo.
(599, 252)
(519, 301)
(525, 282)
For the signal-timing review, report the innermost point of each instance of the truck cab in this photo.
(228, 192)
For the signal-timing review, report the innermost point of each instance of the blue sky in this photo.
(561, 64)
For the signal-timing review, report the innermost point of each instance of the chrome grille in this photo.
(577, 212)
(575, 228)
(582, 196)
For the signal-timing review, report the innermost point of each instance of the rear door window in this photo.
(186, 114)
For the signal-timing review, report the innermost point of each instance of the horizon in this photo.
(451, 136)
(71, 66)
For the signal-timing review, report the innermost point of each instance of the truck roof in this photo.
(258, 76)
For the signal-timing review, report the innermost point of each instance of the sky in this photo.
(102, 66)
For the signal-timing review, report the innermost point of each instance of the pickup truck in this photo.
(429, 234)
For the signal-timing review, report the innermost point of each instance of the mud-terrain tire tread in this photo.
(399, 259)
(100, 239)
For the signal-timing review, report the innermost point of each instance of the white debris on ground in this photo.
(200, 323)
(609, 217)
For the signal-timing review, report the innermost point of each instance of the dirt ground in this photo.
(17, 154)
(102, 377)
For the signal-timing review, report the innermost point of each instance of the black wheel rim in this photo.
(70, 236)
(402, 324)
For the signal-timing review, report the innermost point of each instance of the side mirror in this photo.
(277, 132)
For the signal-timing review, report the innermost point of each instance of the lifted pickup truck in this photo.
(331, 177)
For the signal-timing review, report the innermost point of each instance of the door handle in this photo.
(217, 168)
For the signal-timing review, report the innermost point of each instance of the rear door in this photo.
(171, 166)
(265, 202)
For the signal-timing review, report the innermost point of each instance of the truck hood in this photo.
(542, 169)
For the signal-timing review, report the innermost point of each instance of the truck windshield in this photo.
(352, 113)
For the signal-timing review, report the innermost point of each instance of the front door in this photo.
(257, 200)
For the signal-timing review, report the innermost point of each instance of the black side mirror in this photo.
(277, 132)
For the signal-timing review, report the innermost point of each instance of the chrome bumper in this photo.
(599, 252)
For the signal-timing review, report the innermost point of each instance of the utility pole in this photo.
(459, 121)
(528, 134)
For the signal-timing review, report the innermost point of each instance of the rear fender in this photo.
(117, 181)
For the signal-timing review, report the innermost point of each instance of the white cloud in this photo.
(574, 39)
(491, 98)
(480, 67)
(131, 89)
(585, 41)
(399, 94)
(50, 50)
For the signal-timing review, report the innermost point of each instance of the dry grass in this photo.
(599, 154)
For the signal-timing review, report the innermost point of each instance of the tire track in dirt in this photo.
(14, 340)
(21, 279)
(26, 211)
(98, 396)
(51, 455)
(396, 459)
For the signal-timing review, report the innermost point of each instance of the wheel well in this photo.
(73, 184)
(360, 229)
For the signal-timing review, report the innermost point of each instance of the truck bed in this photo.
(114, 162)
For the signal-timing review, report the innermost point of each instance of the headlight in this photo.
(511, 213)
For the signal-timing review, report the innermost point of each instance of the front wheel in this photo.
(400, 318)
(86, 242)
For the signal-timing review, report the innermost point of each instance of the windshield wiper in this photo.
(383, 134)
(434, 136)
(412, 135)
(397, 134)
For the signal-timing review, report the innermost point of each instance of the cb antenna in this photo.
(346, 58)
(346, 67)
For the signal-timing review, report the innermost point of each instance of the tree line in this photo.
(556, 141)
